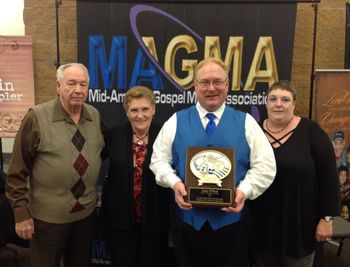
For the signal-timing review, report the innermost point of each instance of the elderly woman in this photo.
(297, 209)
(134, 208)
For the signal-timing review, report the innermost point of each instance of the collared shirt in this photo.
(262, 161)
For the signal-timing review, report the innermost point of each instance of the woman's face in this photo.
(280, 105)
(140, 112)
(345, 212)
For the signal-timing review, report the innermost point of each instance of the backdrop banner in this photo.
(16, 82)
(333, 114)
(158, 45)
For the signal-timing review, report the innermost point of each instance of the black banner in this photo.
(159, 45)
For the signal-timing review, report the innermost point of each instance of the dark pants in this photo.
(226, 247)
(138, 248)
(270, 260)
(68, 240)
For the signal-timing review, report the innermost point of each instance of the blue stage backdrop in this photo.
(156, 44)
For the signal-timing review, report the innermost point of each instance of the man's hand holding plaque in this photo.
(210, 176)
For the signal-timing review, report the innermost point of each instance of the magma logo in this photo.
(113, 70)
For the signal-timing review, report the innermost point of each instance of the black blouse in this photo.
(305, 189)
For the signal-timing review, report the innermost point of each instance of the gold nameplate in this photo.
(210, 176)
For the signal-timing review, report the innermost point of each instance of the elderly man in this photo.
(213, 236)
(53, 172)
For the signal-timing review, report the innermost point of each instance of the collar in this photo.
(59, 114)
(203, 112)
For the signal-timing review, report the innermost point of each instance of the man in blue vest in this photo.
(213, 236)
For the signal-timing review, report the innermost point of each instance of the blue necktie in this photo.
(211, 126)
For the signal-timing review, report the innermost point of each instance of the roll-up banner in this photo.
(16, 82)
(332, 109)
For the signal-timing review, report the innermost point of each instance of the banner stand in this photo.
(1, 156)
(312, 79)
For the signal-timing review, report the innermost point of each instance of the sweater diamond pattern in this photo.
(78, 140)
(78, 189)
(80, 164)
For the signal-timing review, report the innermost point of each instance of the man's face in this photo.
(211, 86)
(73, 89)
(338, 145)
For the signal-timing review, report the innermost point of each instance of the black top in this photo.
(305, 189)
(117, 197)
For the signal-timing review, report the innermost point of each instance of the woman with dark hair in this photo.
(296, 210)
(134, 208)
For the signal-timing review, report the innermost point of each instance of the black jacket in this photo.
(117, 199)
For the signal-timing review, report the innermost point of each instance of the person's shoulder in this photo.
(184, 110)
(118, 131)
(90, 107)
(237, 113)
(44, 105)
(306, 122)
(119, 128)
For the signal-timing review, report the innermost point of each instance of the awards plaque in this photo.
(210, 176)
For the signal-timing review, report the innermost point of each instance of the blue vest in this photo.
(230, 133)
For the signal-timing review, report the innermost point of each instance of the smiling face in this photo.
(280, 105)
(338, 145)
(140, 112)
(211, 86)
(72, 88)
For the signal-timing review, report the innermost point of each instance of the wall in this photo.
(39, 18)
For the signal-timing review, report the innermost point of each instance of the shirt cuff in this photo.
(22, 215)
(172, 179)
(246, 189)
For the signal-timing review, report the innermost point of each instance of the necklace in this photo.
(279, 131)
(140, 139)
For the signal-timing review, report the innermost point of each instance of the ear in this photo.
(58, 86)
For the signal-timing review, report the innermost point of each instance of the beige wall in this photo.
(39, 20)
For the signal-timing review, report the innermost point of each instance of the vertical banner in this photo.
(332, 112)
(128, 43)
(158, 44)
(16, 82)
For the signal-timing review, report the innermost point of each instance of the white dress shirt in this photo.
(259, 176)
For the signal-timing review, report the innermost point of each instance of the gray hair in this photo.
(62, 68)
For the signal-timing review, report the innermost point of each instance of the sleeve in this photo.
(326, 172)
(21, 166)
(161, 159)
(262, 169)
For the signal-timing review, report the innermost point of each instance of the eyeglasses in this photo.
(205, 84)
